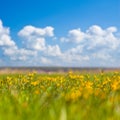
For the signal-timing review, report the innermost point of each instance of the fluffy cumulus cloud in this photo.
(94, 47)
(34, 42)
(53, 51)
(34, 38)
(5, 39)
(94, 37)
(102, 38)
(95, 43)
(9, 48)
(19, 54)
(29, 31)
(75, 36)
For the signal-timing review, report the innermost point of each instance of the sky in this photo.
(73, 33)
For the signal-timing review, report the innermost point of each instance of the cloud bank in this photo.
(94, 47)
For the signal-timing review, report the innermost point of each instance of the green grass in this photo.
(69, 96)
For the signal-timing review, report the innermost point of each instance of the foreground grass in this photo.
(70, 96)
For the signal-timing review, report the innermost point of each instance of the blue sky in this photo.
(84, 33)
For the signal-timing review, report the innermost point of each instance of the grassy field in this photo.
(65, 96)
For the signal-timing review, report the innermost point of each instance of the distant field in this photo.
(56, 96)
(54, 69)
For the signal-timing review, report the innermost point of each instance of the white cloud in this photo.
(93, 47)
(19, 54)
(35, 43)
(94, 37)
(34, 38)
(49, 31)
(29, 31)
(95, 30)
(75, 36)
(77, 59)
(53, 51)
(111, 29)
(102, 55)
(9, 47)
(5, 39)
(97, 37)
(96, 43)
(76, 50)
(45, 60)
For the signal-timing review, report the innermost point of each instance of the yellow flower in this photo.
(88, 84)
(114, 85)
(37, 92)
(34, 83)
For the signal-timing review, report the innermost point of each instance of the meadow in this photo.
(60, 96)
